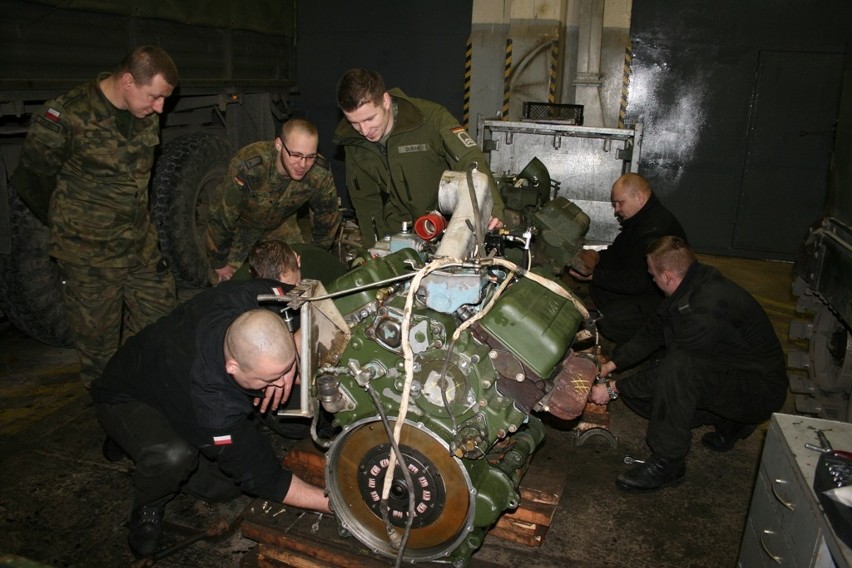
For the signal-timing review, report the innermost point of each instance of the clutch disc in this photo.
(356, 465)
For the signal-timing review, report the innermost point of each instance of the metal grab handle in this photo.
(789, 504)
(777, 559)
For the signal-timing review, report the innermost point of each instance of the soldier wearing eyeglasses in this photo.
(266, 184)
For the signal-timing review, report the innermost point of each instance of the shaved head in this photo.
(259, 335)
(634, 184)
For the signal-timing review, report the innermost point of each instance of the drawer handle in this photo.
(777, 559)
(789, 504)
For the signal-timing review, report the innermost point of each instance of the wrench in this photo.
(315, 526)
(630, 460)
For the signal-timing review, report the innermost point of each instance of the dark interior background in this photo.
(739, 99)
(416, 46)
(739, 102)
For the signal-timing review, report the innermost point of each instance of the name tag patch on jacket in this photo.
(464, 137)
(222, 440)
(412, 148)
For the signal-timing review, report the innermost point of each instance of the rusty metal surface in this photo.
(571, 387)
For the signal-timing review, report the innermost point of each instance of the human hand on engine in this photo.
(582, 265)
(599, 395)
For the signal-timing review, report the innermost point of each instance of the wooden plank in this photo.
(276, 557)
(529, 512)
(526, 534)
(320, 547)
(542, 485)
(307, 462)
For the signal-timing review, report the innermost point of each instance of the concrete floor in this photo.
(62, 504)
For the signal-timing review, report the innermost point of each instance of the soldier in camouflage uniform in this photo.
(397, 149)
(84, 171)
(266, 184)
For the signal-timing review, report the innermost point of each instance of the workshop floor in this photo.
(62, 504)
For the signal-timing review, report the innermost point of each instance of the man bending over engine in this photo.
(723, 365)
(178, 398)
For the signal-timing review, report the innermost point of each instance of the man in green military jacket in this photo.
(397, 148)
(266, 185)
(84, 171)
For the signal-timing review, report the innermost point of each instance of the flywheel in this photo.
(356, 465)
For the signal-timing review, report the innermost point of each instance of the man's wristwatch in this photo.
(612, 394)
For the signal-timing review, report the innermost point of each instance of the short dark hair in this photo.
(298, 124)
(358, 87)
(146, 62)
(269, 258)
(671, 254)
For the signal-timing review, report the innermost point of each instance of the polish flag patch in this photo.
(222, 440)
(278, 291)
(52, 114)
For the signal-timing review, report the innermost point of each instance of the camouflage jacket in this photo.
(98, 212)
(254, 201)
(398, 181)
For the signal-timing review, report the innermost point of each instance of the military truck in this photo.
(237, 77)
(822, 381)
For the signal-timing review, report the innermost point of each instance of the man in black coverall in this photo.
(620, 287)
(178, 398)
(723, 366)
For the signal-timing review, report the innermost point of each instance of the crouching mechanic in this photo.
(723, 366)
(178, 398)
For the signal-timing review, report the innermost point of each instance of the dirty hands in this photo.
(598, 393)
(583, 264)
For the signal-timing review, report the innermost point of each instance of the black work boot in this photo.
(727, 435)
(656, 473)
(113, 453)
(146, 529)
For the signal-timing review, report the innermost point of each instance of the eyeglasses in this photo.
(299, 155)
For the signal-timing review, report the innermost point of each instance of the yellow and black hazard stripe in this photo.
(507, 80)
(625, 84)
(554, 72)
(468, 56)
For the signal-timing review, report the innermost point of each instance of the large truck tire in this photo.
(185, 175)
(30, 285)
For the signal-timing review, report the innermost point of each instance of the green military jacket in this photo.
(98, 210)
(398, 181)
(254, 201)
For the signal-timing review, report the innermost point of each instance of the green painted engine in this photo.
(449, 367)
(433, 358)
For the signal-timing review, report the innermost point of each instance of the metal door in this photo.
(791, 134)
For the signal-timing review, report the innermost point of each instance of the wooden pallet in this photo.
(289, 537)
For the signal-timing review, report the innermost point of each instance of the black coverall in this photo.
(165, 397)
(723, 362)
(621, 287)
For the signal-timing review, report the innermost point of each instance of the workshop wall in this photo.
(738, 101)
